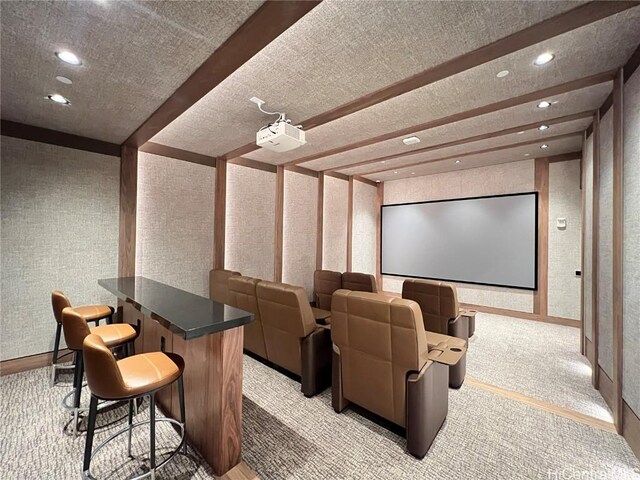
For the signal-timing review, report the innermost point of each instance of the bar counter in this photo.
(209, 336)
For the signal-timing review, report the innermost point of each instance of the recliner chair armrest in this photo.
(459, 327)
(446, 354)
(316, 353)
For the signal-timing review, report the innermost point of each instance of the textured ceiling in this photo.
(135, 55)
(592, 49)
(505, 140)
(577, 101)
(556, 147)
(338, 52)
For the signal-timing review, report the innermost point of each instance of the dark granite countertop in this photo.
(184, 313)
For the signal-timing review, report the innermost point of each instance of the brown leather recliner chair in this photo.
(293, 340)
(325, 282)
(382, 362)
(442, 319)
(219, 285)
(242, 292)
(359, 282)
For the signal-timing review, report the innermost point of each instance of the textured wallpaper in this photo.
(587, 273)
(59, 231)
(250, 221)
(493, 180)
(336, 205)
(565, 201)
(605, 246)
(300, 224)
(365, 214)
(631, 251)
(174, 222)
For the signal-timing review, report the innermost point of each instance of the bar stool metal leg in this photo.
(131, 404)
(56, 347)
(152, 436)
(182, 411)
(93, 410)
(79, 370)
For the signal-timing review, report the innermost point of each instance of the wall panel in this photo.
(250, 221)
(365, 214)
(493, 180)
(59, 231)
(174, 222)
(587, 273)
(605, 245)
(631, 248)
(299, 243)
(565, 201)
(336, 197)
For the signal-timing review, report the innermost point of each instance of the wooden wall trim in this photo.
(605, 386)
(566, 157)
(220, 215)
(583, 239)
(350, 227)
(279, 226)
(31, 362)
(379, 203)
(60, 139)
(475, 152)
(266, 24)
(247, 162)
(568, 322)
(631, 428)
(340, 176)
(128, 206)
(320, 222)
(475, 138)
(629, 68)
(178, 154)
(365, 181)
(595, 213)
(540, 296)
(302, 170)
(566, 87)
(618, 239)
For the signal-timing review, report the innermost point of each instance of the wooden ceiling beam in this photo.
(565, 22)
(265, 25)
(475, 138)
(475, 112)
(476, 152)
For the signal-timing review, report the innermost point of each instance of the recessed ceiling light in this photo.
(544, 58)
(502, 73)
(543, 127)
(527, 154)
(68, 57)
(64, 80)
(520, 133)
(377, 181)
(457, 161)
(544, 145)
(395, 171)
(413, 173)
(410, 140)
(56, 97)
(544, 104)
(383, 161)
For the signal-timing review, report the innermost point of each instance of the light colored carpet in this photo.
(537, 359)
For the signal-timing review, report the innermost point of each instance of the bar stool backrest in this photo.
(103, 375)
(75, 328)
(59, 302)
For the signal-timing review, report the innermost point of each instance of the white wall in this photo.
(365, 221)
(334, 236)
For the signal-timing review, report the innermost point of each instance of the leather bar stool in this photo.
(91, 313)
(129, 379)
(76, 329)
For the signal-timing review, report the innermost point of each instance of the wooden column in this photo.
(583, 240)
(320, 221)
(618, 219)
(128, 201)
(542, 187)
(220, 214)
(277, 267)
(379, 203)
(350, 226)
(595, 209)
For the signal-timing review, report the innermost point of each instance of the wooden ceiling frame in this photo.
(268, 22)
(565, 22)
(475, 138)
(477, 152)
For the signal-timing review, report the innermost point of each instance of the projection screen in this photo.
(481, 240)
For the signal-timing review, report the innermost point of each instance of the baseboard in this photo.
(568, 322)
(23, 364)
(605, 386)
(589, 351)
(631, 429)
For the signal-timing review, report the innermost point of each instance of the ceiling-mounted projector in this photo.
(279, 136)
